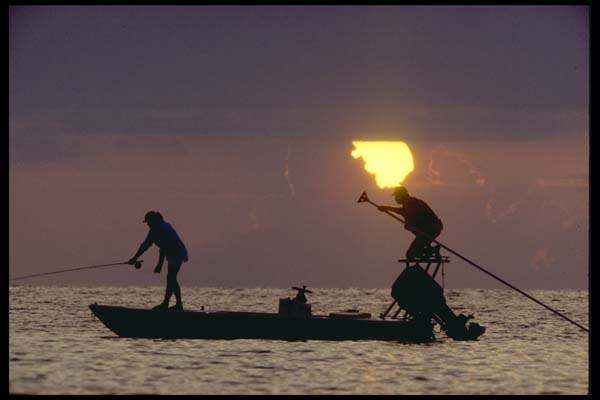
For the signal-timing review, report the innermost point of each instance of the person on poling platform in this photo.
(417, 214)
(172, 248)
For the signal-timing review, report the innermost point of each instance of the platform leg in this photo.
(382, 316)
(436, 270)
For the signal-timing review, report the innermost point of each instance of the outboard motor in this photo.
(423, 298)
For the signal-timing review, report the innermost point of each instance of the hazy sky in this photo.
(237, 124)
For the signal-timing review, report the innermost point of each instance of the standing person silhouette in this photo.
(417, 214)
(166, 238)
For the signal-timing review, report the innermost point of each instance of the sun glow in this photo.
(390, 162)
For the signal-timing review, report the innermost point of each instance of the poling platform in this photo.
(417, 293)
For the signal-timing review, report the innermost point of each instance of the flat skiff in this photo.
(187, 324)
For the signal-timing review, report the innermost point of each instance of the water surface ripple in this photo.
(57, 346)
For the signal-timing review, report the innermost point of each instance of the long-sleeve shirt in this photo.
(167, 239)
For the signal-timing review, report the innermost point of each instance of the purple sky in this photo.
(237, 122)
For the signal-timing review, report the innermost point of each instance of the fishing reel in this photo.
(138, 264)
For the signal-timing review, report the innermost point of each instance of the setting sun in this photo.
(390, 162)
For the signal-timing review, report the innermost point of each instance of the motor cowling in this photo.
(417, 292)
(422, 297)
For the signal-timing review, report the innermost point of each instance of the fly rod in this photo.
(137, 264)
(363, 198)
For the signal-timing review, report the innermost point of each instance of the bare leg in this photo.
(177, 292)
(168, 291)
(172, 284)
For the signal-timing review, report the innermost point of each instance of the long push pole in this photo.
(363, 198)
(137, 264)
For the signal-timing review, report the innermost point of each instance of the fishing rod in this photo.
(137, 265)
(363, 198)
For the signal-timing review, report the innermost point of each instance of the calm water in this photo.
(57, 346)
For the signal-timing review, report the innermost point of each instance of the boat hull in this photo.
(143, 323)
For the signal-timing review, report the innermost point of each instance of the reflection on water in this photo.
(56, 346)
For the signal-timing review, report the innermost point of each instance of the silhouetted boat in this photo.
(144, 323)
(414, 291)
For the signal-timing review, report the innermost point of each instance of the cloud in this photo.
(515, 182)
(434, 175)
(494, 215)
(286, 171)
(568, 218)
(564, 182)
(541, 259)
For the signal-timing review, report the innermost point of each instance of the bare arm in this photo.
(143, 247)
